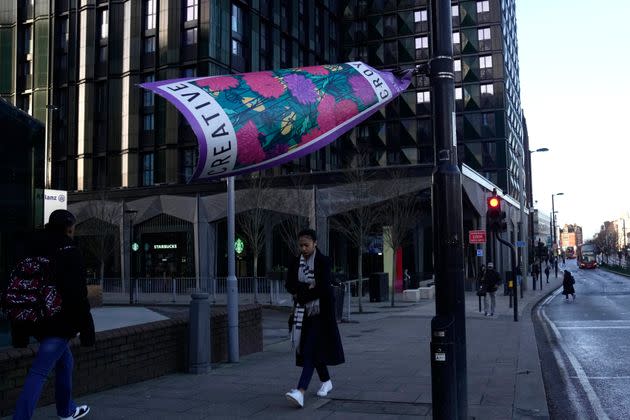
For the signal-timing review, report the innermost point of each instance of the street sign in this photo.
(480, 252)
(520, 244)
(477, 236)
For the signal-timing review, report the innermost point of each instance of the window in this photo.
(484, 34)
(147, 122)
(102, 55)
(483, 6)
(423, 97)
(422, 42)
(237, 48)
(456, 39)
(190, 37)
(28, 39)
(149, 44)
(191, 10)
(237, 19)
(150, 14)
(148, 98)
(189, 162)
(487, 89)
(147, 169)
(63, 34)
(458, 65)
(189, 72)
(104, 16)
(420, 16)
(485, 62)
(458, 93)
(455, 10)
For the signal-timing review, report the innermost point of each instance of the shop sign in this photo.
(165, 246)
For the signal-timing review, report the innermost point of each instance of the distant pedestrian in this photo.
(547, 270)
(491, 280)
(406, 279)
(314, 327)
(567, 285)
(56, 243)
(535, 271)
(482, 272)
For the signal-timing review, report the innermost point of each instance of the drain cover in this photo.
(377, 407)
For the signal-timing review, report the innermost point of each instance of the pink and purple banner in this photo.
(252, 121)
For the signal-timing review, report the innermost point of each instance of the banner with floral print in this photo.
(252, 121)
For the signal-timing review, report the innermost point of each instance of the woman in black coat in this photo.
(567, 285)
(309, 281)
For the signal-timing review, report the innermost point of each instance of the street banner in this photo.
(253, 121)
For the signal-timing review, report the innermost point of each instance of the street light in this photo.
(530, 224)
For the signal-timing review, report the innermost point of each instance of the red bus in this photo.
(569, 252)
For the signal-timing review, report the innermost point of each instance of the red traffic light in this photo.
(494, 202)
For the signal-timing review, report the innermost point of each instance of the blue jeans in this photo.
(53, 352)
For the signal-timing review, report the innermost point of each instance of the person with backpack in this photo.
(52, 259)
(547, 270)
(491, 280)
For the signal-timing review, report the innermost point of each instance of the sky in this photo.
(575, 94)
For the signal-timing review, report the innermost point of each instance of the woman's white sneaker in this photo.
(325, 388)
(295, 397)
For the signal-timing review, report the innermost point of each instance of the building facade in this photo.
(77, 68)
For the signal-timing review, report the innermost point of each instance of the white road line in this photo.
(611, 327)
(577, 367)
(605, 377)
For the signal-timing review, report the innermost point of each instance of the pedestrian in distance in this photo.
(567, 285)
(314, 328)
(547, 270)
(54, 332)
(482, 272)
(535, 271)
(491, 280)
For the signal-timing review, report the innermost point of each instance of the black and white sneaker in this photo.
(79, 412)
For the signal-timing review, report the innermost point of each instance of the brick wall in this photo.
(130, 354)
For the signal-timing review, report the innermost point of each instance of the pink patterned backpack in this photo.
(31, 294)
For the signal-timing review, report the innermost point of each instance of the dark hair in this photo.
(60, 219)
(308, 232)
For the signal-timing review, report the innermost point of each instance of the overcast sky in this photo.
(574, 71)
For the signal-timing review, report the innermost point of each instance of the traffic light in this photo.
(495, 217)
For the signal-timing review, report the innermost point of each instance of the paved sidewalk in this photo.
(386, 374)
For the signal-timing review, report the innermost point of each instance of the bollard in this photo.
(199, 334)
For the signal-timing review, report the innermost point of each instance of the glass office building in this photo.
(388, 33)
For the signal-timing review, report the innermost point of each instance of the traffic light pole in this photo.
(514, 265)
(448, 328)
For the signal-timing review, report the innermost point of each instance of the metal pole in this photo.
(232, 285)
(514, 282)
(448, 327)
(553, 222)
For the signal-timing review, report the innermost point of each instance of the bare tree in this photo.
(252, 221)
(99, 234)
(398, 215)
(357, 223)
(293, 223)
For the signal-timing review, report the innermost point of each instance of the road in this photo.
(585, 347)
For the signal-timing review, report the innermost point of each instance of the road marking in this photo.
(610, 327)
(577, 367)
(605, 377)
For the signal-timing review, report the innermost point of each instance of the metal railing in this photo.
(157, 290)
